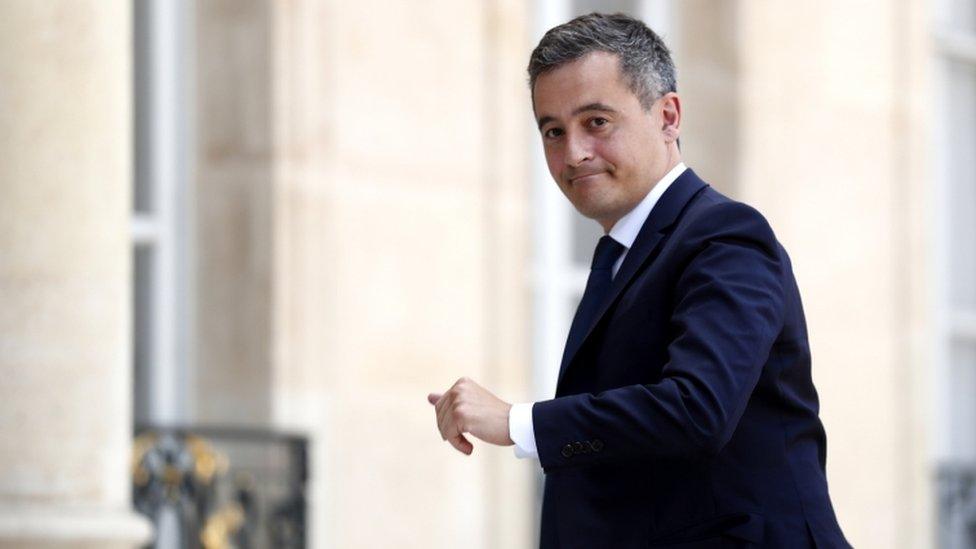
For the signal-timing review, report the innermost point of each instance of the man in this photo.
(685, 414)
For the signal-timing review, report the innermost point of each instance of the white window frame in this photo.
(165, 99)
(952, 324)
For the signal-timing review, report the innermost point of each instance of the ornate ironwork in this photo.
(227, 487)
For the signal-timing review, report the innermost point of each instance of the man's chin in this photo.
(594, 203)
(596, 212)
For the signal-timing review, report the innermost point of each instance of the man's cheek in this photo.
(553, 163)
(556, 172)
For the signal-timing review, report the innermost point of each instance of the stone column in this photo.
(65, 388)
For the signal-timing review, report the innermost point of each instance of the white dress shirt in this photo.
(520, 426)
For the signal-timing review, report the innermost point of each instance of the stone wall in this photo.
(362, 209)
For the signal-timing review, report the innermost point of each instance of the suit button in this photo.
(577, 447)
(597, 445)
(568, 451)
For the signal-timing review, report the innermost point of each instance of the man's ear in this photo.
(671, 116)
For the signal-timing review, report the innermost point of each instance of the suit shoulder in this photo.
(716, 216)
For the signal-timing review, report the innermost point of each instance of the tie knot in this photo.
(607, 252)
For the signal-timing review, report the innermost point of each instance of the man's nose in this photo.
(578, 150)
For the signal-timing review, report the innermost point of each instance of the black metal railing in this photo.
(214, 487)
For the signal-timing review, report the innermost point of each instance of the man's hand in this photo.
(470, 408)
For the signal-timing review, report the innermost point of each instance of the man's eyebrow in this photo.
(588, 107)
(594, 107)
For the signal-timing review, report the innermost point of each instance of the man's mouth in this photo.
(584, 178)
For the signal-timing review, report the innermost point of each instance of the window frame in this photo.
(162, 224)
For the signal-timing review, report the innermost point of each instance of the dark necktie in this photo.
(597, 290)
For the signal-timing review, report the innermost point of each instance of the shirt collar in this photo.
(626, 228)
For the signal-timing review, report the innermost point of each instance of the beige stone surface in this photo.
(391, 180)
(707, 53)
(74, 526)
(65, 426)
(233, 198)
(361, 204)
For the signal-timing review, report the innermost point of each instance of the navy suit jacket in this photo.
(688, 416)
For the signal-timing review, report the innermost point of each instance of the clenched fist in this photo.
(470, 408)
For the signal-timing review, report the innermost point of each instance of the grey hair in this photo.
(645, 60)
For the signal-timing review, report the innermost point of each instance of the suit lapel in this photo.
(662, 216)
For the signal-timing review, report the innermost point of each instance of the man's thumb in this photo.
(433, 398)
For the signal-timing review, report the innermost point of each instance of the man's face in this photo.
(603, 149)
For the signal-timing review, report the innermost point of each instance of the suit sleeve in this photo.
(728, 310)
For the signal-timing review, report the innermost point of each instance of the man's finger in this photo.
(434, 397)
(445, 423)
(462, 444)
(440, 411)
(443, 409)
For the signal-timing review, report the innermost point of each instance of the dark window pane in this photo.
(142, 329)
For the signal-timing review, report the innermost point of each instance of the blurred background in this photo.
(240, 241)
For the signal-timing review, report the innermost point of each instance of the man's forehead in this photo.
(597, 64)
(592, 79)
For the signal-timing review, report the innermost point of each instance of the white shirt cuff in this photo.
(522, 431)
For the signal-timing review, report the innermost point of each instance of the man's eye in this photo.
(598, 121)
(552, 132)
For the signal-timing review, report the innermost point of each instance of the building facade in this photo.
(303, 216)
